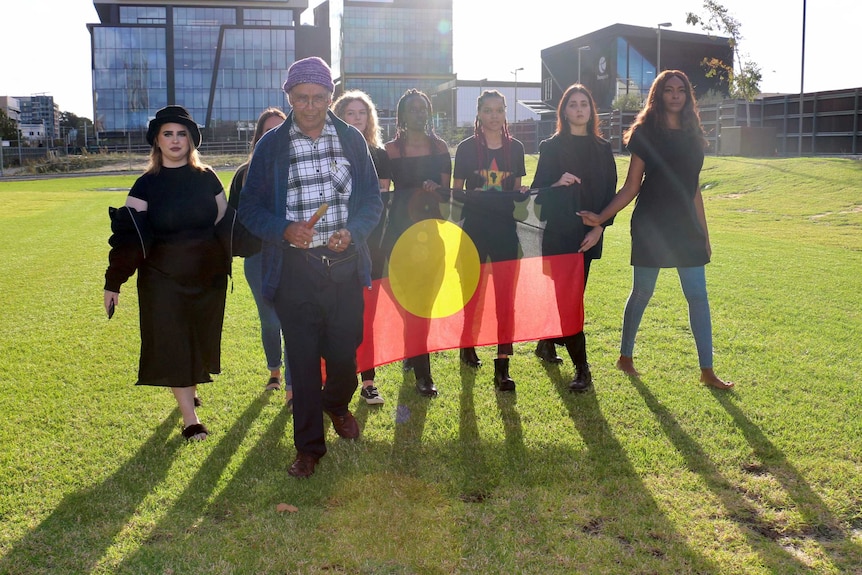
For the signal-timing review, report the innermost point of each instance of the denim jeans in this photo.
(693, 281)
(270, 327)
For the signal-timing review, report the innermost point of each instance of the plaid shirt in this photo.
(319, 173)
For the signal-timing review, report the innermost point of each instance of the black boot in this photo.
(469, 357)
(425, 386)
(546, 351)
(583, 378)
(502, 381)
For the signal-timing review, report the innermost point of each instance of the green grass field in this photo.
(654, 475)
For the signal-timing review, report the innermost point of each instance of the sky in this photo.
(52, 43)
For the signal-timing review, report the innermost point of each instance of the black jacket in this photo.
(131, 240)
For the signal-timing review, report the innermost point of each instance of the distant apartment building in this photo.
(40, 116)
(224, 60)
(12, 107)
(385, 47)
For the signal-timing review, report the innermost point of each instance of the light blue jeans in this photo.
(270, 327)
(693, 281)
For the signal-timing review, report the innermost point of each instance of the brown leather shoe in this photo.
(344, 425)
(303, 465)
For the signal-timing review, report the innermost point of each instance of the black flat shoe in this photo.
(195, 432)
(425, 386)
(469, 357)
(547, 352)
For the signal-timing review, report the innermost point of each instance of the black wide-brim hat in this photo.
(173, 115)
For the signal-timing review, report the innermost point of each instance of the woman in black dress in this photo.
(491, 163)
(172, 211)
(356, 108)
(421, 165)
(578, 165)
(668, 223)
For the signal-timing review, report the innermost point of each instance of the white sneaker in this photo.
(371, 395)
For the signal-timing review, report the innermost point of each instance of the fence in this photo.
(831, 122)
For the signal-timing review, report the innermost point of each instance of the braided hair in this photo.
(401, 119)
(481, 143)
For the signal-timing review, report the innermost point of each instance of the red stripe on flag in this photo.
(540, 297)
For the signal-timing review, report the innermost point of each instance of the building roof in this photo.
(629, 31)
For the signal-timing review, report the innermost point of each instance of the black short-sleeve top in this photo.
(665, 229)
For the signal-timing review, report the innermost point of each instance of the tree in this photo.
(70, 121)
(630, 102)
(744, 76)
(8, 127)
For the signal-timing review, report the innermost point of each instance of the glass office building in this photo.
(225, 61)
(385, 47)
(622, 59)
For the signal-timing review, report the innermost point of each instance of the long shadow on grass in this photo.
(516, 454)
(761, 534)
(228, 531)
(76, 535)
(640, 529)
(476, 481)
(820, 524)
(410, 414)
(181, 520)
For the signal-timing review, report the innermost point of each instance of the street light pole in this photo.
(658, 56)
(579, 61)
(802, 82)
(515, 72)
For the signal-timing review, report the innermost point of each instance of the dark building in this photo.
(384, 47)
(224, 60)
(622, 59)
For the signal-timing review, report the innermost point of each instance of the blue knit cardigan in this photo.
(264, 197)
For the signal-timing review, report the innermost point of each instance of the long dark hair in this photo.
(481, 143)
(261, 122)
(653, 115)
(563, 124)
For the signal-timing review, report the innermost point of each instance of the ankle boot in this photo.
(583, 378)
(469, 357)
(502, 381)
(545, 350)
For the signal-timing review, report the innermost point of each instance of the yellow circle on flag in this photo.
(434, 269)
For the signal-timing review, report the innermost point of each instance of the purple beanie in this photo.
(309, 71)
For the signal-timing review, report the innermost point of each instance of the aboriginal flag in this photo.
(470, 269)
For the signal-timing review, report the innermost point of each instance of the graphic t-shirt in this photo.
(496, 173)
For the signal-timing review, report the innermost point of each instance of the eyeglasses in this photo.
(303, 101)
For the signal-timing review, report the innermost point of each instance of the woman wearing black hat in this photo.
(167, 231)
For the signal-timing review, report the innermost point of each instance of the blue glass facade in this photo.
(635, 74)
(384, 48)
(129, 76)
(225, 63)
(251, 70)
